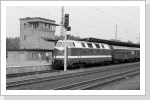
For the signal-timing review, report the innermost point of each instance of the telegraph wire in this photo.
(100, 20)
(112, 16)
(128, 13)
(99, 28)
(60, 17)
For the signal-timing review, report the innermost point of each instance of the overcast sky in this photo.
(86, 21)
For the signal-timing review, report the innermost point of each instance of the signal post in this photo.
(66, 28)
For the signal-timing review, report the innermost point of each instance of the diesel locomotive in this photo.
(81, 53)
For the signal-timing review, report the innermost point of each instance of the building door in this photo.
(22, 57)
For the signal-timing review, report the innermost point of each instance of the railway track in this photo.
(99, 82)
(10, 85)
(9, 76)
(29, 73)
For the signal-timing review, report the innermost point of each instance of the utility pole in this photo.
(139, 38)
(62, 22)
(116, 33)
(126, 34)
(65, 53)
(66, 28)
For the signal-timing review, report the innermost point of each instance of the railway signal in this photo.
(66, 24)
(68, 28)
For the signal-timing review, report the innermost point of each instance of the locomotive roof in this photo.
(80, 41)
(110, 42)
(78, 44)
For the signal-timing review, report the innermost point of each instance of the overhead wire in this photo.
(71, 20)
(112, 16)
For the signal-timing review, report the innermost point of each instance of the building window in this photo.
(32, 55)
(53, 28)
(47, 25)
(24, 25)
(24, 37)
(35, 25)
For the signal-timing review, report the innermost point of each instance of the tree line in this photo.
(14, 43)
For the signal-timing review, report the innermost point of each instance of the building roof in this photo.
(32, 18)
(39, 19)
(110, 42)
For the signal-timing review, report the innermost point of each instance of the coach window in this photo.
(97, 45)
(83, 45)
(89, 45)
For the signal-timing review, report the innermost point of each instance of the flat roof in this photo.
(110, 42)
(30, 18)
(34, 21)
(39, 19)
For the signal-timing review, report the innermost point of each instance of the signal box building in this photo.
(37, 33)
(37, 36)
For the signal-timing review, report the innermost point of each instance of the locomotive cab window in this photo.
(89, 45)
(70, 44)
(58, 44)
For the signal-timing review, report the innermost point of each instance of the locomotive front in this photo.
(58, 55)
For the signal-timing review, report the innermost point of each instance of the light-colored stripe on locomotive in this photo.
(99, 56)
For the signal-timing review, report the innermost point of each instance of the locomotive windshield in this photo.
(62, 44)
(58, 44)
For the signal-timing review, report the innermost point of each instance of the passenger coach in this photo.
(120, 53)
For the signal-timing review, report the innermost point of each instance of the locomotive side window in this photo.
(103, 46)
(97, 45)
(83, 45)
(73, 44)
(89, 45)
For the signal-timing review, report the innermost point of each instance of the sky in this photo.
(85, 21)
